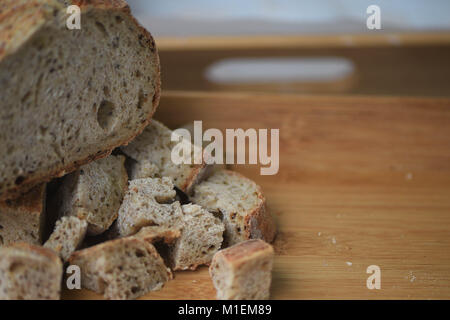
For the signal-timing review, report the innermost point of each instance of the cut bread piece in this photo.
(243, 271)
(147, 203)
(241, 203)
(201, 238)
(23, 219)
(94, 193)
(152, 151)
(154, 234)
(70, 96)
(29, 272)
(125, 268)
(68, 235)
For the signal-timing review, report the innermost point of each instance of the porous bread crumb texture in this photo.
(154, 234)
(201, 237)
(147, 203)
(29, 273)
(67, 236)
(241, 204)
(22, 219)
(70, 96)
(152, 152)
(95, 192)
(125, 268)
(243, 271)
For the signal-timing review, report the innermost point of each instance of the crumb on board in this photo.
(319, 233)
(409, 176)
(333, 240)
(349, 263)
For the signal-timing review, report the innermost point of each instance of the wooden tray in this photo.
(362, 181)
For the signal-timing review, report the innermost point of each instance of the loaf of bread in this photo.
(29, 272)
(147, 203)
(241, 203)
(70, 96)
(94, 193)
(22, 219)
(125, 268)
(243, 271)
(152, 154)
(68, 235)
(201, 237)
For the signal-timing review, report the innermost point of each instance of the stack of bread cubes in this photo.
(87, 178)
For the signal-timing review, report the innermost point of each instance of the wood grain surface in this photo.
(362, 181)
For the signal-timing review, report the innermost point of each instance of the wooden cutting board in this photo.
(362, 181)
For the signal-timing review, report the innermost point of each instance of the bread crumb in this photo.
(349, 263)
(411, 277)
(333, 240)
(319, 233)
(409, 176)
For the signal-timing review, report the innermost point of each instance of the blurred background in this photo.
(301, 46)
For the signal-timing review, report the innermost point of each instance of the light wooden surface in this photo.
(362, 181)
(369, 39)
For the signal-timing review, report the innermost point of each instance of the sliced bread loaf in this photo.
(125, 268)
(241, 203)
(243, 271)
(70, 96)
(201, 237)
(67, 237)
(23, 219)
(94, 193)
(29, 272)
(147, 203)
(152, 152)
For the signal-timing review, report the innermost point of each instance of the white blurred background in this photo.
(251, 17)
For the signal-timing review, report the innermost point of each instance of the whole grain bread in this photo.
(68, 235)
(70, 96)
(94, 193)
(29, 272)
(243, 271)
(23, 219)
(240, 202)
(125, 268)
(148, 202)
(201, 237)
(152, 151)
(154, 234)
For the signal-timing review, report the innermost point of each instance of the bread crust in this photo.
(33, 249)
(42, 13)
(258, 224)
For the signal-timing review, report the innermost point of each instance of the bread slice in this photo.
(23, 219)
(29, 272)
(201, 238)
(70, 96)
(243, 271)
(125, 268)
(68, 235)
(152, 152)
(147, 203)
(241, 203)
(95, 193)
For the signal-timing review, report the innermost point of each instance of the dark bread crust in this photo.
(245, 251)
(43, 10)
